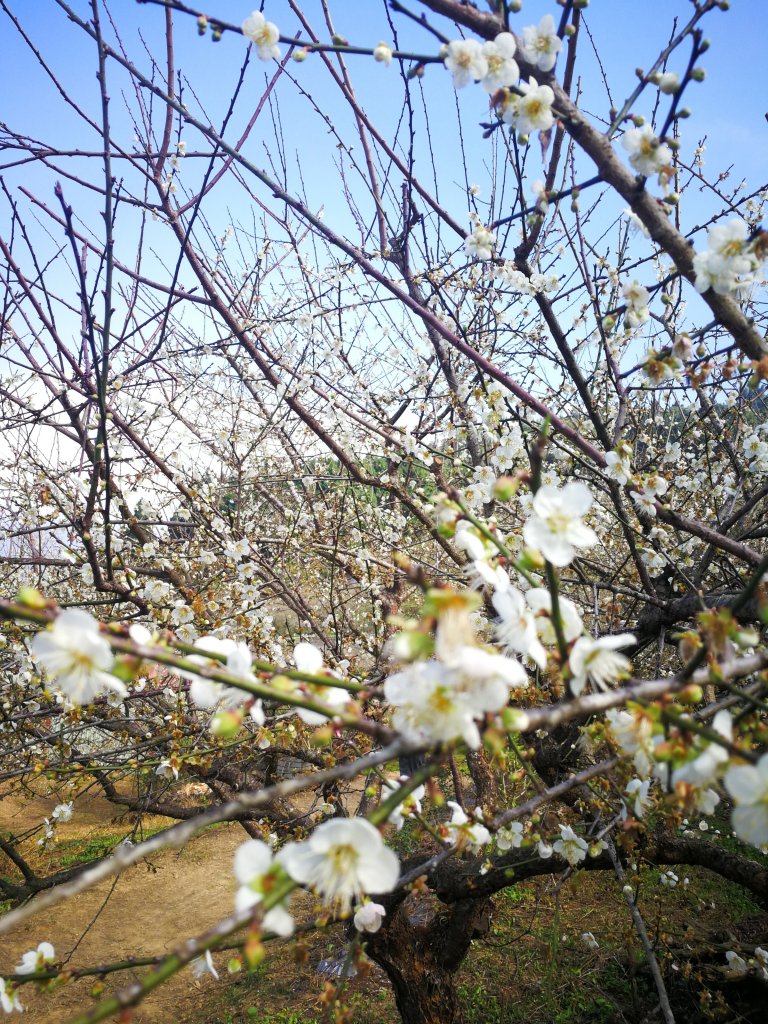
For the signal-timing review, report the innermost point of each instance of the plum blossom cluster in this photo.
(729, 262)
(32, 961)
(491, 63)
(527, 107)
(533, 285)
(637, 312)
(693, 774)
(651, 488)
(756, 964)
(755, 449)
(76, 657)
(442, 699)
(465, 833)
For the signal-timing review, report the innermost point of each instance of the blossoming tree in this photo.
(353, 477)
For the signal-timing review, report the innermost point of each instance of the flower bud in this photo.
(300, 55)
(532, 560)
(30, 597)
(698, 74)
(506, 487)
(225, 725)
(383, 54)
(691, 694)
(514, 720)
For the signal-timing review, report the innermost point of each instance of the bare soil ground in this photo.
(146, 912)
(532, 968)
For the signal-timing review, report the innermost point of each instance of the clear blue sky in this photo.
(728, 108)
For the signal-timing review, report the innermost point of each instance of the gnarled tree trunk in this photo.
(421, 948)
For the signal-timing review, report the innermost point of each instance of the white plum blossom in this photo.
(736, 964)
(704, 769)
(440, 701)
(63, 812)
(502, 67)
(637, 297)
(570, 846)
(540, 602)
(599, 661)
(541, 43)
(383, 54)
(480, 242)
(589, 940)
(343, 860)
(556, 528)
(309, 659)
(255, 870)
(634, 735)
(368, 917)
(531, 110)
(37, 959)
(727, 266)
(466, 61)
(411, 804)
(516, 626)
(619, 463)
(264, 35)
(482, 574)
(638, 789)
(429, 707)
(466, 538)
(647, 154)
(76, 656)
(545, 851)
(207, 693)
(510, 837)
(472, 836)
(653, 487)
(9, 997)
(747, 786)
(203, 965)
(166, 768)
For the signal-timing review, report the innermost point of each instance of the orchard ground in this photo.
(532, 964)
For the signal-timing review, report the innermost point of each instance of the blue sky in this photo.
(728, 108)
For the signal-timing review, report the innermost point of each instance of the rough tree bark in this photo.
(420, 951)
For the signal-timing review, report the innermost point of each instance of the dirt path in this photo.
(150, 909)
